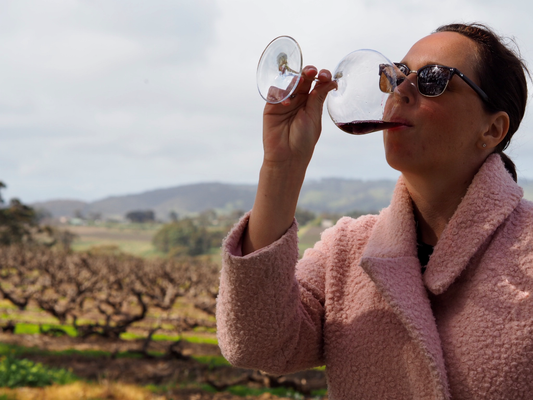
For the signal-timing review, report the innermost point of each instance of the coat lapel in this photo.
(491, 197)
(390, 259)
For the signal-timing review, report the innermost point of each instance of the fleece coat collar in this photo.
(390, 257)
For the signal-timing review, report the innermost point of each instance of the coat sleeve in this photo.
(269, 316)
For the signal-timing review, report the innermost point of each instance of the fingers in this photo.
(324, 76)
(306, 80)
(310, 75)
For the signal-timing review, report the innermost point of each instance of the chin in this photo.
(396, 155)
(402, 162)
(396, 166)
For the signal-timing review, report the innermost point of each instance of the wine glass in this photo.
(356, 106)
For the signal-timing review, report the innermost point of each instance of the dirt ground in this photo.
(161, 370)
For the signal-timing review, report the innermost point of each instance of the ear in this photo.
(496, 130)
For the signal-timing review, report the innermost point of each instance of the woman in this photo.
(432, 298)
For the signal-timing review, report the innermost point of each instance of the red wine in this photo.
(362, 127)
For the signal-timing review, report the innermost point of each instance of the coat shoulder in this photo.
(357, 227)
(347, 238)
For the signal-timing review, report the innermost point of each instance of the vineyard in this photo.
(107, 294)
(111, 319)
(85, 317)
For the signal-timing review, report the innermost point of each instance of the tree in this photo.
(141, 216)
(20, 223)
(17, 221)
(207, 218)
(304, 216)
(173, 216)
(186, 237)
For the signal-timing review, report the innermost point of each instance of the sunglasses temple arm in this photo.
(476, 88)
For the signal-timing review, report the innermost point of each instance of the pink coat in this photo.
(358, 302)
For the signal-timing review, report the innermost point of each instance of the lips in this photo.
(400, 122)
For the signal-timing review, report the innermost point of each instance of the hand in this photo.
(290, 132)
(292, 128)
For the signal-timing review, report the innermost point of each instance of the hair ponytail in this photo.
(509, 165)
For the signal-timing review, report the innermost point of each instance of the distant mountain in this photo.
(325, 195)
(183, 200)
(59, 208)
(345, 195)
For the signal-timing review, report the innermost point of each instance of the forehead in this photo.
(447, 48)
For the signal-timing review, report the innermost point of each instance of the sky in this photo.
(110, 97)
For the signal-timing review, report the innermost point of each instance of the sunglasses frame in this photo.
(453, 71)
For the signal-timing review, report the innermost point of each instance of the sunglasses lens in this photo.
(432, 80)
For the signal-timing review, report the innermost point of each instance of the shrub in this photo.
(22, 372)
(186, 237)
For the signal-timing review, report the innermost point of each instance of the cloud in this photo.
(104, 97)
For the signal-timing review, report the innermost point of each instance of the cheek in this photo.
(440, 124)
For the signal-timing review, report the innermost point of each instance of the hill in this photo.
(326, 195)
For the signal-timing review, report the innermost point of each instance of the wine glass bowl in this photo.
(279, 69)
(356, 106)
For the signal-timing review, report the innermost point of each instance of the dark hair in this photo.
(502, 75)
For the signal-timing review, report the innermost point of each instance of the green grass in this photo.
(280, 392)
(162, 337)
(32, 329)
(138, 248)
(135, 239)
(6, 349)
(200, 339)
(239, 390)
(21, 351)
(26, 328)
(212, 361)
(39, 316)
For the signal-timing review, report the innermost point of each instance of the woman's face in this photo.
(442, 134)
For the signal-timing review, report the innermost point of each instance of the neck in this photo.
(435, 201)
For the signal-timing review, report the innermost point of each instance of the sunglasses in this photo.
(432, 80)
